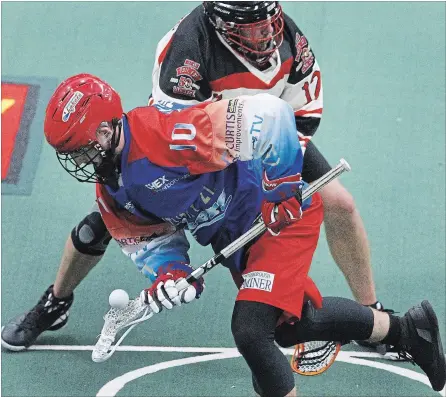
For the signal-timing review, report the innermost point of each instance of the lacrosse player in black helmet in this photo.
(223, 49)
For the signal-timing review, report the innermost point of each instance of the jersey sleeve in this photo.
(150, 244)
(211, 136)
(260, 127)
(160, 252)
(179, 73)
(303, 90)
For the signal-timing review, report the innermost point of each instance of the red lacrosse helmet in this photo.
(76, 109)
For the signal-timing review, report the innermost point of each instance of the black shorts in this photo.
(315, 164)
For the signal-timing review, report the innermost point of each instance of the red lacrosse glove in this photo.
(164, 292)
(283, 202)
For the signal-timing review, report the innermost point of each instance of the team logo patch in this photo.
(205, 211)
(162, 183)
(186, 79)
(70, 107)
(124, 242)
(262, 281)
(304, 56)
(233, 131)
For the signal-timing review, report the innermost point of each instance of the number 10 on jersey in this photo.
(183, 132)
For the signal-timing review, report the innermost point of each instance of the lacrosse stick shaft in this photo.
(103, 349)
(260, 227)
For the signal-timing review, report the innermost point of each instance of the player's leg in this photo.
(253, 325)
(416, 333)
(347, 239)
(346, 235)
(345, 232)
(275, 280)
(339, 319)
(83, 250)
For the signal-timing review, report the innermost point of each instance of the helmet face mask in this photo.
(259, 39)
(81, 163)
(254, 29)
(96, 162)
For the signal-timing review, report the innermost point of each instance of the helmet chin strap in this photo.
(109, 169)
(116, 126)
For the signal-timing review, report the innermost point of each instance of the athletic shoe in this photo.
(421, 344)
(50, 314)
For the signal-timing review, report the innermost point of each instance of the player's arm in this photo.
(165, 261)
(263, 128)
(158, 249)
(259, 127)
(303, 90)
(211, 136)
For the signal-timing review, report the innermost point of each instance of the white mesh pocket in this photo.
(116, 320)
(315, 357)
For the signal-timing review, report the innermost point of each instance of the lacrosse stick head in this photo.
(315, 357)
(116, 320)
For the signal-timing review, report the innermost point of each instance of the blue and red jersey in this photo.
(197, 169)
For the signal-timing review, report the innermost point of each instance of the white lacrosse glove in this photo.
(166, 293)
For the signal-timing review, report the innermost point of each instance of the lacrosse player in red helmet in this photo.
(212, 169)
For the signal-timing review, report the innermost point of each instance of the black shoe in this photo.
(50, 314)
(379, 347)
(421, 343)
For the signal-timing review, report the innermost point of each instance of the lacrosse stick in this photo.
(136, 311)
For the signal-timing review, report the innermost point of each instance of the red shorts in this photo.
(277, 267)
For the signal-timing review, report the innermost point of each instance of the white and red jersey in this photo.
(195, 64)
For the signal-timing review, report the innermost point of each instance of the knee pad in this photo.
(91, 236)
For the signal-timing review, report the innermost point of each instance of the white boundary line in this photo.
(112, 387)
(192, 349)
(130, 348)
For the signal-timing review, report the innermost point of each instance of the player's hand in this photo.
(165, 292)
(283, 202)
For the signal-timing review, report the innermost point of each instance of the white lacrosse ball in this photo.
(118, 299)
